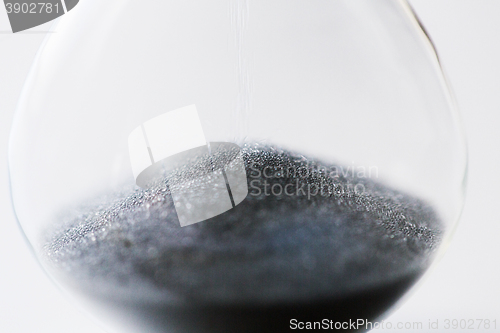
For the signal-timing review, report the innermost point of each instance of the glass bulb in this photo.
(232, 165)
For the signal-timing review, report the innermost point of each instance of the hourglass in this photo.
(233, 165)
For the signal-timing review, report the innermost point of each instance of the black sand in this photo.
(340, 254)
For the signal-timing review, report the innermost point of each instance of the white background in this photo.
(465, 284)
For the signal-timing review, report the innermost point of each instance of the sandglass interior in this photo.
(222, 165)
